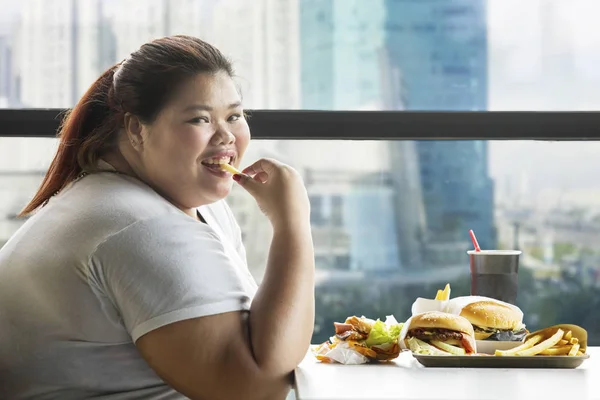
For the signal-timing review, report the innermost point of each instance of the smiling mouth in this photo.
(215, 163)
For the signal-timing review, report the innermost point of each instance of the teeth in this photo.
(222, 160)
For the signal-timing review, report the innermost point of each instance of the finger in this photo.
(261, 177)
(247, 182)
(266, 165)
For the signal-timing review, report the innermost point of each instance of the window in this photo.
(539, 58)
(541, 197)
(382, 210)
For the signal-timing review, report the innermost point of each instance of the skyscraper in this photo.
(341, 46)
(56, 52)
(6, 78)
(346, 66)
(440, 46)
(137, 22)
(262, 39)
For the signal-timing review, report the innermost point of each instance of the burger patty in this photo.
(435, 334)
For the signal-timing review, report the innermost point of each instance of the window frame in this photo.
(367, 125)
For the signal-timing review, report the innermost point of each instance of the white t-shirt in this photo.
(105, 262)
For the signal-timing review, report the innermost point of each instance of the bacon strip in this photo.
(351, 335)
(341, 328)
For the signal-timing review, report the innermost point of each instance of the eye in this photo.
(199, 120)
(234, 117)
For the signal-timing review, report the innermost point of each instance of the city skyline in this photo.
(520, 77)
(270, 61)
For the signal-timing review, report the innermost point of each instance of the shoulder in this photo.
(116, 197)
(171, 232)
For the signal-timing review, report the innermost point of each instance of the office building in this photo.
(440, 47)
(261, 37)
(158, 18)
(342, 54)
(346, 66)
(56, 52)
(5, 71)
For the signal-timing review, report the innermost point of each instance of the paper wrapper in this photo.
(403, 333)
(422, 305)
(341, 353)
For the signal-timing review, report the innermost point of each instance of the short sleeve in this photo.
(165, 270)
(236, 232)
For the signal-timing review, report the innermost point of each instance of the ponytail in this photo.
(85, 132)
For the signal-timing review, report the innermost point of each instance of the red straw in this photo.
(474, 239)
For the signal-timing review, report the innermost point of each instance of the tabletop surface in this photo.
(406, 379)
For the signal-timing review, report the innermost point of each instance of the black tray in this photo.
(564, 362)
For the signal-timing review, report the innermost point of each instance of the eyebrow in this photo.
(202, 107)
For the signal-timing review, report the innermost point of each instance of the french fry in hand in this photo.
(230, 168)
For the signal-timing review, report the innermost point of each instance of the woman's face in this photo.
(202, 126)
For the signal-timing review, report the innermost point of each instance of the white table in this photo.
(406, 379)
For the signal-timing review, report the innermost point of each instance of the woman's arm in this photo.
(227, 355)
(282, 314)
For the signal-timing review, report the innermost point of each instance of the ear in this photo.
(134, 129)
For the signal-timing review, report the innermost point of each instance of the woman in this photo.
(129, 281)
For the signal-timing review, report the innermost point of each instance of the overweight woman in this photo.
(129, 281)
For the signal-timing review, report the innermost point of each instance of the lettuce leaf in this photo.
(383, 333)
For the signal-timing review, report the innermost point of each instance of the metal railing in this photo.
(367, 125)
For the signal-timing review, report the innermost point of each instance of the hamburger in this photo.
(438, 333)
(493, 319)
(374, 340)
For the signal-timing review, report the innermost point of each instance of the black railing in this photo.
(367, 125)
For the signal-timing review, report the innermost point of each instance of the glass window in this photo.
(323, 54)
(382, 240)
(394, 212)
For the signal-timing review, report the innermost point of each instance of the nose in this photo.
(222, 136)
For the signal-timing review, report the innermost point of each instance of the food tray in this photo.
(487, 361)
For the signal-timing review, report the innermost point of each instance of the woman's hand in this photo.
(278, 190)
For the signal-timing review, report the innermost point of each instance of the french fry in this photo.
(546, 344)
(230, 168)
(562, 342)
(579, 354)
(574, 350)
(574, 341)
(568, 335)
(439, 295)
(446, 292)
(557, 351)
(529, 343)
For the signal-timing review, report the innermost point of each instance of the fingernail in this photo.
(237, 177)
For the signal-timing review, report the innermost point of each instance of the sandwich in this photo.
(372, 340)
(492, 319)
(439, 334)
